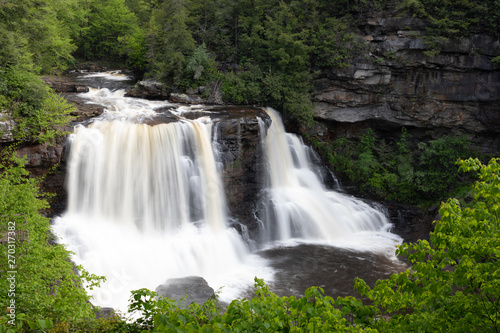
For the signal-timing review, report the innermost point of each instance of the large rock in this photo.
(241, 154)
(84, 111)
(65, 85)
(186, 290)
(44, 154)
(397, 84)
(186, 99)
(149, 89)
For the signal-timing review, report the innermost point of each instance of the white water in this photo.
(146, 203)
(298, 208)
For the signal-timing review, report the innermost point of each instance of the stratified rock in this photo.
(397, 84)
(149, 89)
(64, 85)
(189, 289)
(44, 154)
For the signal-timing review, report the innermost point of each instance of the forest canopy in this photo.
(256, 51)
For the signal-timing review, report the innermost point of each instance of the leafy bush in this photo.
(201, 68)
(399, 171)
(265, 312)
(454, 282)
(39, 113)
(38, 275)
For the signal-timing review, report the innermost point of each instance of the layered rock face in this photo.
(396, 84)
(236, 133)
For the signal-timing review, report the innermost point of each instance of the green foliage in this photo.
(169, 41)
(454, 282)
(107, 23)
(33, 35)
(436, 170)
(39, 113)
(134, 48)
(265, 312)
(201, 68)
(454, 19)
(38, 275)
(334, 46)
(244, 87)
(399, 171)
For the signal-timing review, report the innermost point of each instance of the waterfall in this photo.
(296, 204)
(146, 203)
(150, 177)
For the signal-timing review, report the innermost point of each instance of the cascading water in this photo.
(297, 205)
(145, 203)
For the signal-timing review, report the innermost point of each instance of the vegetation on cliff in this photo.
(403, 171)
(257, 52)
(38, 280)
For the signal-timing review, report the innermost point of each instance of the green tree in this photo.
(169, 40)
(107, 23)
(454, 282)
(40, 114)
(42, 283)
(33, 36)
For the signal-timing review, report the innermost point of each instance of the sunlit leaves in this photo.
(453, 283)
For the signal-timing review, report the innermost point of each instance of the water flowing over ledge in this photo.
(298, 206)
(146, 201)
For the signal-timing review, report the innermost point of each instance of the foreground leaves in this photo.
(454, 283)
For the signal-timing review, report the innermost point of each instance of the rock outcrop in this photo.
(149, 89)
(238, 137)
(7, 125)
(397, 84)
(186, 99)
(63, 85)
(186, 290)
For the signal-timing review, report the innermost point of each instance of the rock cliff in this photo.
(399, 83)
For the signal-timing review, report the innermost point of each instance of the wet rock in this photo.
(149, 89)
(241, 155)
(64, 85)
(84, 110)
(188, 289)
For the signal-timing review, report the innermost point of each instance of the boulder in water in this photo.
(149, 89)
(190, 288)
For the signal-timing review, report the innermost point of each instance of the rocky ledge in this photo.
(397, 83)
